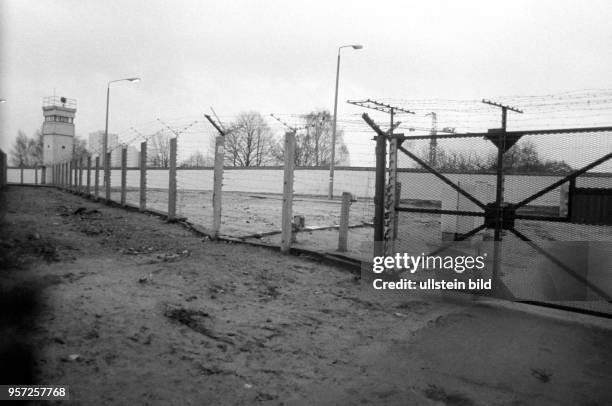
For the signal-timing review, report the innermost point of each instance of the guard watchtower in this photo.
(58, 129)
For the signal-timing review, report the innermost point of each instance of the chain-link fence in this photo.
(537, 200)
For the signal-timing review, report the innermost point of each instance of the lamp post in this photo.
(333, 151)
(105, 140)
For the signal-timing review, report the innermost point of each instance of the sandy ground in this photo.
(129, 310)
(246, 214)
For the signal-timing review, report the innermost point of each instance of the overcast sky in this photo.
(280, 56)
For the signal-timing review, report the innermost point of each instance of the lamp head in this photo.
(134, 79)
(357, 46)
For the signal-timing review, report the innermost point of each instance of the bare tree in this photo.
(197, 159)
(159, 154)
(37, 147)
(20, 154)
(79, 148)
(522, 157)
(313, 144)
(27, 151)
(250, 142)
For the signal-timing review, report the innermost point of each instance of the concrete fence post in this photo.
(172, 182)
(107, 178)
(21, 173)
(396, 214)
(287, 211)
(123, 174)
(1, 169)
(76, 175)
(43, 175)
(80, 187)
(88, 187)
(97, 179)
(79, 174)
(36, 174)
(344, 221)
(70, 175)
(218, 184)
(143, 176)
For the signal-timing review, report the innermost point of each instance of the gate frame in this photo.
(497, 215)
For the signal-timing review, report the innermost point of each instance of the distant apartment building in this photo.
(96, 145)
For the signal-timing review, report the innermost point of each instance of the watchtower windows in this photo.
(60, 119)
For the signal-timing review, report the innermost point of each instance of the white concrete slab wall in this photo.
(415, 185)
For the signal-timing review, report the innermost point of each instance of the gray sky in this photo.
(280, 56)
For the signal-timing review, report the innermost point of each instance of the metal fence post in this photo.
(123, 174)
(172, 182)
(143, 176)
(97, 179)
(344, 221)
(218, 184)
(287, 211)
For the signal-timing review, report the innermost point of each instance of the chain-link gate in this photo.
(546, 221)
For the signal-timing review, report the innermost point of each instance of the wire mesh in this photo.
(557, 263)
(195, 171)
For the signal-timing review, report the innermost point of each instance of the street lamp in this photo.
(333, 151)
(105, 140)
(2, 101)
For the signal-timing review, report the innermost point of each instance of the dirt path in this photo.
(133, 311)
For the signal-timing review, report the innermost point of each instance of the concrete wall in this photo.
(359, 182)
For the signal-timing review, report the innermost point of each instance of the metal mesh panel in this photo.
(546, 252)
